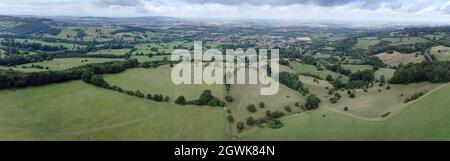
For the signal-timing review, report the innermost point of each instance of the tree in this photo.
(261, 105)
(382, 79)
(86, 76)
(312, 102)
(230, 118)
(352, 95)
(167, 99)
(240, 126)
(250, 121)
(180, 100)
(205, 97)
(251, 108)
(229, 99)
(329, 78)
(98, 80)
(288, 108)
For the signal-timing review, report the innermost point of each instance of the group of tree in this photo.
(206, 98)
(15, 79)
(435, 72)
(31, 46)
(291, 80)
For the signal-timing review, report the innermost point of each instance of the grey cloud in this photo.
(366, 4)
(108, 3)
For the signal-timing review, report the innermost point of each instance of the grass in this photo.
(60, 64)
(427, 119)
(305, 68)
(158, 81)
(442, 53)
(78, 111)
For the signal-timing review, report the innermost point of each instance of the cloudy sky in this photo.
(388, 10)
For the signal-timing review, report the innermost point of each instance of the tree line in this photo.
(15, 79)
(435, 72)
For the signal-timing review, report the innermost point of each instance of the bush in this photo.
(251, 108)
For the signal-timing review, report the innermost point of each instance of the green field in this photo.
(405, 40)
(427, 119)
(305, 68)
(149, 59)
(111, 52)
(364, 43)
(78, 111)
(158, 81)
(60, 64)
(355, 68)
(442, 53)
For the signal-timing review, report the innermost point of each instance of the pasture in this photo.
(78, 111)
(158, 81)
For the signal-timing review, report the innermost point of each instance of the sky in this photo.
(358, 10)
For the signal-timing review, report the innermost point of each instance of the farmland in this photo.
(95, 78)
